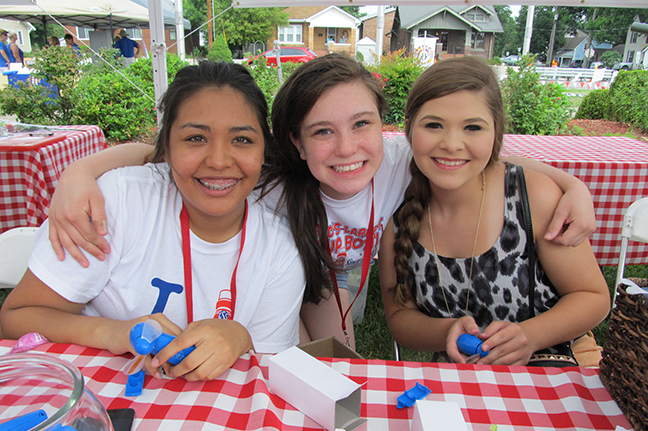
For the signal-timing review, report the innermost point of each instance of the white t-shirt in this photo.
(144, 273)
(349, 218)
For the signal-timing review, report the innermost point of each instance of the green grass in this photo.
(373, 340)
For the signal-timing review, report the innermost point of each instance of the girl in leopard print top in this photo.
(451, 265)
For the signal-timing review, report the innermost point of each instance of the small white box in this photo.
(437, 416)
(321, 393)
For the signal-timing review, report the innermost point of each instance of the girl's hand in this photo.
(77, 218)
(574, 219)
(219, 343)
(465, 325)
(507, 344)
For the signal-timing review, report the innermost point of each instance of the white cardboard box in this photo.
(437, 416)
(321, 393)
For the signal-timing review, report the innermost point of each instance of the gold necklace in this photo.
(472, 258)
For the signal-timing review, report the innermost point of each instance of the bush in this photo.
(219, 50)
(610, 58)
(400, 71)
(595, 106)
(267, 78)
(533, 108)
(628, 95)
(45, 104)
(121, 110)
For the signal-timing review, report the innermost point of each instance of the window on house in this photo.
(172, 34)
(83, 32)
(633, 37)
(630, 57)
(475, 16)
(135, 33)
(477, 40)
(290, 34)
(20, 37)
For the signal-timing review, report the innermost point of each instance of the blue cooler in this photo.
(14, 77)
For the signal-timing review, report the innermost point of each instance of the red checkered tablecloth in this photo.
(615, 169)
(29, 175)
(513, 398)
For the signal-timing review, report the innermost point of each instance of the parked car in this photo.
(576, 63)
(597, 65)
(623, 66)
(510, 60)
(294, 54)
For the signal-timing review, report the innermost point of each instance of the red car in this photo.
(293, 54)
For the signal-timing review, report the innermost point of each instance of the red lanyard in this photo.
(186, 258)
(366, 262)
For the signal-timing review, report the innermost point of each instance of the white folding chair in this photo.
(635, 228)
(15, 247)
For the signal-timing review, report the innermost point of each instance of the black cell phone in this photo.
(122, 419)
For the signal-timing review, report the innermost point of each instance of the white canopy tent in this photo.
(96, 14)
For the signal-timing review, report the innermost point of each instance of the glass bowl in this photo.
(33, 381)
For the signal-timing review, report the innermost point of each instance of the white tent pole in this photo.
(528, 31)
(158, 51)
(179, 29)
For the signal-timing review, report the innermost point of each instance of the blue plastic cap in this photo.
(470, 345)
(135, 384)
(409, 397)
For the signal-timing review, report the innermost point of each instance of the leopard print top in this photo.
(500, 285)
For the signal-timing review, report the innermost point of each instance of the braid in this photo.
(417, 197)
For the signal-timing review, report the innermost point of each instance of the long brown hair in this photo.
(301, 193)
(441, 79)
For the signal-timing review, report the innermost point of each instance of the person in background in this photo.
(54, 41)
(128, 48)
(454, 258)
(191, 249)
(4, 51)
(70, 43)
(16, 54)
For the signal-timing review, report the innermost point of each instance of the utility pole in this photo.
(588, 43)
(553, 37)
(209, 24)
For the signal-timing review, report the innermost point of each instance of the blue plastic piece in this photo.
(135, 384)
(470, 345)
(143, 346)
(24, 422)
(409, 397)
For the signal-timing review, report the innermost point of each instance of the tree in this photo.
(239, 25)
(353, 10)
(37, 36)
(612, 24)
(219, 50)
(505, 42)
(610, 58)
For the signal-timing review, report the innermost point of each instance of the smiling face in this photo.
(452, 138)
(341, 139)
(216, 147)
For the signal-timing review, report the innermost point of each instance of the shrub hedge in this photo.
(595, 106)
